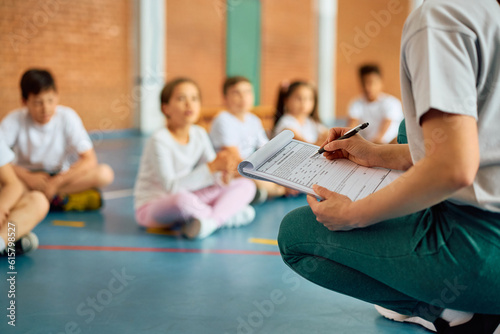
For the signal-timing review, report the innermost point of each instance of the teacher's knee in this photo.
(292, 228)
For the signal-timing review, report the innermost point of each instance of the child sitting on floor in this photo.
(383, 111)
(241, 131)
(20, 211)
(297, 110)
(54, 153)
(181, 180)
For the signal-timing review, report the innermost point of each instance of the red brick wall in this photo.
(86, 45)
(362, 38)
(196, 45)
(289, 44)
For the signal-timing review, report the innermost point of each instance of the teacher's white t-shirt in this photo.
(450, 62)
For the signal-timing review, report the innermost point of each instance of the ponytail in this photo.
(280, 105)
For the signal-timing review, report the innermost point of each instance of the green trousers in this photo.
(447, 256)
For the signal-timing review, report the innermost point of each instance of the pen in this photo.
(346, 135)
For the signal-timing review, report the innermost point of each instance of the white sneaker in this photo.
(241, 218)
(405, 318)
(199, 228)
(23, 245)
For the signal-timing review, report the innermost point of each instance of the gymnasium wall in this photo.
(368, 31)
(289, 44)
(85, 44)
(88, 45)
(195, 46)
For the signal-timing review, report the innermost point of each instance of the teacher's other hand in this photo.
(334, 212)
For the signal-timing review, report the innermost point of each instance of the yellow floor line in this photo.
(263, 241)
(68, 223)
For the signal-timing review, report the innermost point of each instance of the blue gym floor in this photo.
(99, 272)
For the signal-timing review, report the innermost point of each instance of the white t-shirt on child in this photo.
(310, 130)
(385, 107)
(228, 130)
(6, 155)
(168, 167)
(50, 147)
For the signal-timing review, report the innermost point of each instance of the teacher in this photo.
(426, 248)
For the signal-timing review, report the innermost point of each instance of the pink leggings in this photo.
(215, 202)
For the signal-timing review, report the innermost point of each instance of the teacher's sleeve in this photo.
(442, 66)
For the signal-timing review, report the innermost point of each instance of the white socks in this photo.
(2, 245)
(455, 318)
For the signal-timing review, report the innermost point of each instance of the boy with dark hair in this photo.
(238, 127)
(20, 211)
(239, 130)
(54, 153)
(381, 110)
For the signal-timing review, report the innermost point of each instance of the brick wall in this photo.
(196, 36)
(196, 44)
(86, 45)
(368, 31)
(289, 44)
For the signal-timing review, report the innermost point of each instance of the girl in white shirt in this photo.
(182, 180)
(297, 110)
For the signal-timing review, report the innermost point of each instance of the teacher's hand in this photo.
(334, 212)
(356, 148)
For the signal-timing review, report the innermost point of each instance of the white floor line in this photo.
(114, 194)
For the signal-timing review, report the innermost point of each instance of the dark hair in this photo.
(35, 81)
(231, 81)
(166, 92)
(286, 91)
(369, 69)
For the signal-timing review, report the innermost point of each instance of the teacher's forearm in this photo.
(422, 186)
(392, 156)
(450, 164)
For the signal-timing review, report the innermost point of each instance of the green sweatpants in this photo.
(447, 256)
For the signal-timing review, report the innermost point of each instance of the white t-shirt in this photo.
(385, 107)
(228, 130)
(310, 130)
(51, 147)
(6, 155)
(168, 167)
(450, 62)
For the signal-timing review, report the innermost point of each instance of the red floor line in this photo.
(159, 250)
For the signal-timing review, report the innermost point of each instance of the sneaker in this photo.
(241, 218)
(405, 318)
(57, 203)
(479, 324)
(82, 201)
(199, 228)
(23, 245)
